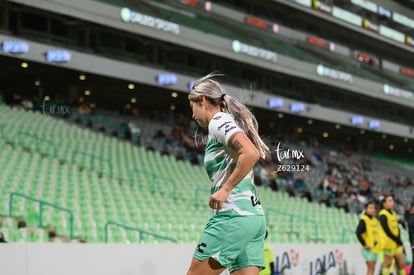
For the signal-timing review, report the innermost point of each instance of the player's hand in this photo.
(218, 198)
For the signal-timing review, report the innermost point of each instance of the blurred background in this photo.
(97, 142)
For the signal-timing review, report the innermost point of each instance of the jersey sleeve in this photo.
(361, 228)
(223, 127)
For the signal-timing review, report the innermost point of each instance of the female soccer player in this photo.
(390, 240)
(367, 233)
(234, 236)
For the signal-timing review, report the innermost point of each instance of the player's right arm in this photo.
(361, 229)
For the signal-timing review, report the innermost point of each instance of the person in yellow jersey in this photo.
(367, 233)
(269, 259)
(390, 239)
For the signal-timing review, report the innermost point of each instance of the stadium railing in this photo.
(37, 142)
(141, 232)
(41, 205)
(93, 158)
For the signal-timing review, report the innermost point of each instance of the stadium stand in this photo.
(138, 49)
(138, 188)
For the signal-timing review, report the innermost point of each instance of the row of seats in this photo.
(149, 191)
(146, 202)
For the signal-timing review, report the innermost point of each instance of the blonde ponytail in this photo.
(244, 118)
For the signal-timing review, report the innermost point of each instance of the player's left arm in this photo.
(387, 230)
(248, 155)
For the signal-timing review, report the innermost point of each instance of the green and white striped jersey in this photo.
(220, 160)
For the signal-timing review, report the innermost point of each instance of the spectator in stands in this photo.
(301, 188)
(366, 163)
(342, 199)
(125, 130)
(364, 188)
(368, 236)
(299, 183)
(194, 157)
(329, 191)
(258, 179)
(161, 134)
(164, 150)
(317, 157)
(13, 99)
(272, 181)
(377, 200)
(179, 155)
(83, 108)
(234, 235)
(354, 200)
(130, 110)
(136, 133)
(390, 239)
(407, 182)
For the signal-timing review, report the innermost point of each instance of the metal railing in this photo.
(140, 231)
(92, 159)
(41, 205)
(38, 141)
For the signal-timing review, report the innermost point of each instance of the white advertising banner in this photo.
(161, 259)
(318, 259)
